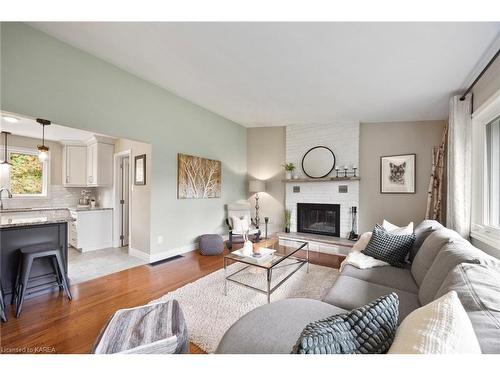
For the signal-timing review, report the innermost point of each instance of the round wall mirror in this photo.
(318, 162)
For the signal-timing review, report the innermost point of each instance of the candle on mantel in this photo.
(337, 171)
(354, 170)
(345, 170)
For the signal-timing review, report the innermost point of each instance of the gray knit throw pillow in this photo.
(388, 247)
(366, 330)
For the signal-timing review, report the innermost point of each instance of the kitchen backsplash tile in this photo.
(59, 196)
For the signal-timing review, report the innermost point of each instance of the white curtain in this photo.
(458, 209)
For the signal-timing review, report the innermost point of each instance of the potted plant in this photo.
(289, 168)
(288, 219)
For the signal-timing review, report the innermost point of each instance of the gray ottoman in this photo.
(211, 244)
(158, 328)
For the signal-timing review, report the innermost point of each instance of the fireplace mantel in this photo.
(327, 179)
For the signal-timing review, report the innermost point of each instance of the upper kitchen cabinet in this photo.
(100, 161)
(74, 165)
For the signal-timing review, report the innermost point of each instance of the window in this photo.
(27, 176)
(485, 225)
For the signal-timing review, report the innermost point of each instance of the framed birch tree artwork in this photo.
(198, 178)
(397, 174)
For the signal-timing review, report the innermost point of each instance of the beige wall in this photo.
(379, 139)
(55, 154)
(140, 197)
(265, 155)
(487, 85)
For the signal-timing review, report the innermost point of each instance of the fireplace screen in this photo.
(318, 218)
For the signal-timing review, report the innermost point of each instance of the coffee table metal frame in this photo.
(299, 262)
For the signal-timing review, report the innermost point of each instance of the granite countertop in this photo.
(18, 218)
(31, 209)
(90, 208)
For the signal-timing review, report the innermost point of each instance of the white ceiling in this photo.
(27, 127)
(263, 74)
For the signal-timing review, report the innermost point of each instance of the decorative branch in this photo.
(198, 177)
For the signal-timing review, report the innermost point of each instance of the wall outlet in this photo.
(160, 240)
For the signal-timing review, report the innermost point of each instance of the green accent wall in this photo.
(44, 77)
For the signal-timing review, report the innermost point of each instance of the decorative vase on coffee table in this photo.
(247, 249)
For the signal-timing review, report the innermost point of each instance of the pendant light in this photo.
(5, 163)
(43, 151)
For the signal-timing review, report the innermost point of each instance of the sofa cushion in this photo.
(394, 229)
(429, 250)
(388, 247)
(478, 288)
(400, 278)
(349, 293)
(450, 255)
(275, 327)
(368, 329)
(422, 231)
(440, 327)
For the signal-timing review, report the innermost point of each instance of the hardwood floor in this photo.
(52, 324)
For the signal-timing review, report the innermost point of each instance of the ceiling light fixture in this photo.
(43, 151)
(10, 119)
(5, 162)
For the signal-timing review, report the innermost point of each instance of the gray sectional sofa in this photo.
(442, 261)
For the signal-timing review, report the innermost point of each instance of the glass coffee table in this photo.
(287, 258)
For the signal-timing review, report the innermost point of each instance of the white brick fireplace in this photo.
(343, 140)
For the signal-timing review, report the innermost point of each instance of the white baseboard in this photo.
(139, 254)
(172, 252)
(177, 251)
(95, 247)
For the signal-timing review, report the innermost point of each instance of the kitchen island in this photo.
(21, 228)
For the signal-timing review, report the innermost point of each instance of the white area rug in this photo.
(209, 313)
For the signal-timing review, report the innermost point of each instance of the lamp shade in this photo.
(256, 186)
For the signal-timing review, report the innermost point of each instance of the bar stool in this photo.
(27, 256)
(3, 314)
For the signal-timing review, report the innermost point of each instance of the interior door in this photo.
(124, 200)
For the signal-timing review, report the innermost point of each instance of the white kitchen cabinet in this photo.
(74, 166)
(92, 230)
(99, 163)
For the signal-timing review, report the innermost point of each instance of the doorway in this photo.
(124, 194)
(122, 199)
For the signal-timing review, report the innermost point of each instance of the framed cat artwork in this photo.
(397, 174)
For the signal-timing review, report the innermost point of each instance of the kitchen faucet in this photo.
(1, 191)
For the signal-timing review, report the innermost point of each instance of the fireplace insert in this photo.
(318, 218)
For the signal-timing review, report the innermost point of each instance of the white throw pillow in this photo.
(361, 243)
(240, 224)
(394, 229)
(440, 327)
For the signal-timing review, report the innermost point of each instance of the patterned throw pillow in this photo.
(391, 248)
(366, 330)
